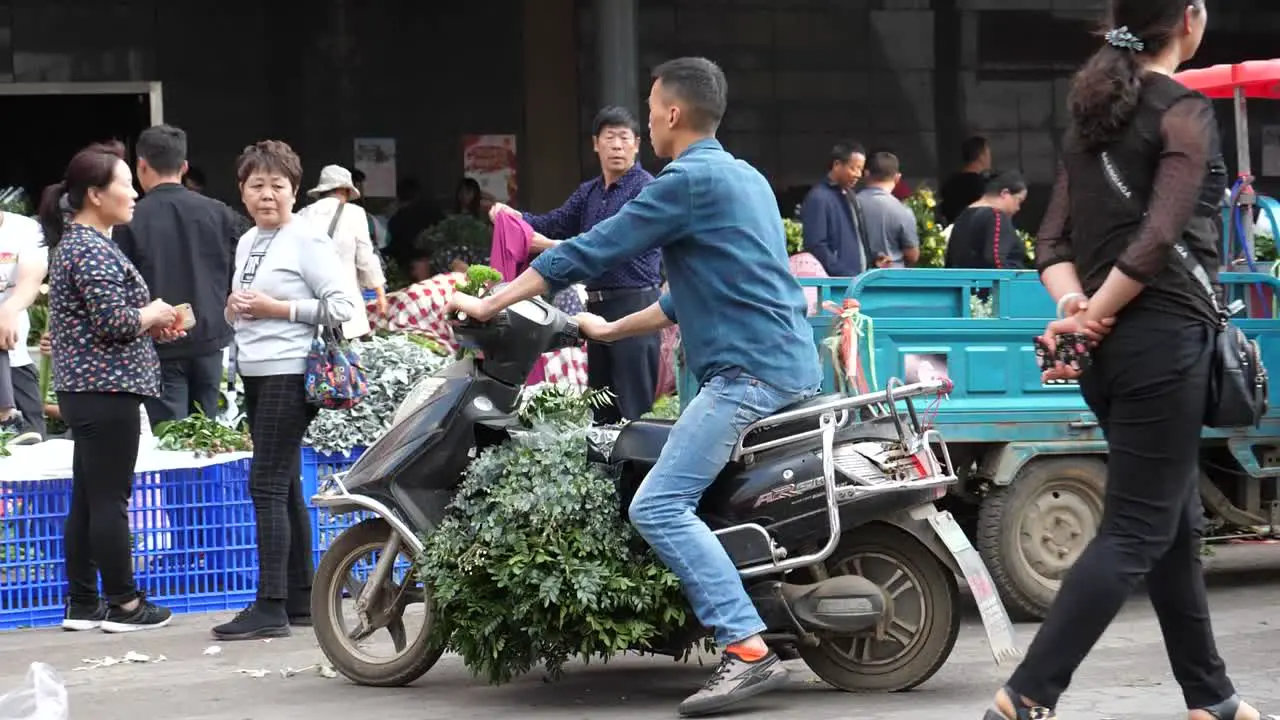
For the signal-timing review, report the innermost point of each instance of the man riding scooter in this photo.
(744, 334)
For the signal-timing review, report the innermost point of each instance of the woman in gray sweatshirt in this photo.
(288, 281)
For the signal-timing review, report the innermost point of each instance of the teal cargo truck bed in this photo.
(922, 322)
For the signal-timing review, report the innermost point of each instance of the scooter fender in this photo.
(938, 530)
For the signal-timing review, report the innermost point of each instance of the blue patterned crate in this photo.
(180, 520)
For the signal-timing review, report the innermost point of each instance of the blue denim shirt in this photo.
(716, 220)
(591, 203)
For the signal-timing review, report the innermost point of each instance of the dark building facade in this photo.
(913, 76)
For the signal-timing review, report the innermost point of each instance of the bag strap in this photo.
(333, 225)
(1111, 171)
(247, 276)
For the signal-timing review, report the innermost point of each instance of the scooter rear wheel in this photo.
(922, 614)
(333, 582)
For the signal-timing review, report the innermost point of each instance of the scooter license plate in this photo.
(995, 619)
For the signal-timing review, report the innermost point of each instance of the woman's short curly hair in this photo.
(270, 156)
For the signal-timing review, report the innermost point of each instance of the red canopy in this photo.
(1259, 78)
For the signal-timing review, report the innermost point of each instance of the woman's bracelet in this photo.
(1066, 300)
(293, 311)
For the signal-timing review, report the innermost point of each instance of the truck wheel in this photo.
(1031, 531)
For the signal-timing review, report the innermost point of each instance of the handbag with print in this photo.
(334, 379)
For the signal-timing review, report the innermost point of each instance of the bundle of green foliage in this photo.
(479, 279)
(535, 562)
(795, 235)
(667, 407)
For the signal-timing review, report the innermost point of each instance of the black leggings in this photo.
(1147, 388)
(106, 427)
(278, 418)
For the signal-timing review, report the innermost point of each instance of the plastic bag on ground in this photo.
(43, 696)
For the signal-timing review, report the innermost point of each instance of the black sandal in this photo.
(1229, 708)
(1021, 710)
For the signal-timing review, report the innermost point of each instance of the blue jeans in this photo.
(664, 508)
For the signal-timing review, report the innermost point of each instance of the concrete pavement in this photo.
(1126, 677)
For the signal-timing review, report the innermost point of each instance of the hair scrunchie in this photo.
(1123, 39)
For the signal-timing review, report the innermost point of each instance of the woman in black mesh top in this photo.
(1141, 171)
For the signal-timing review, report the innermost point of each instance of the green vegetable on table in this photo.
(201, 435)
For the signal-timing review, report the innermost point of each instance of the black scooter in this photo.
(827, 508)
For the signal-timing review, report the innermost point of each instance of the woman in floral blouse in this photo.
(104, 364)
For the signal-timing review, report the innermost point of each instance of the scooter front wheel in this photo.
(348, 612)
(922, 617)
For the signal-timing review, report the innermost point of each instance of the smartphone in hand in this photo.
(186, 318)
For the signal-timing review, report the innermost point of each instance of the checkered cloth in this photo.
(419, 309)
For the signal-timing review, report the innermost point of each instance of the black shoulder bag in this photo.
(1237, 378)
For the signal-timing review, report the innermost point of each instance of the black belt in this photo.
(611, 293)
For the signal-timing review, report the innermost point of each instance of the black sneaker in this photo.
(16, 426)
(84, 616)
(146, 616)
(735, 680)
(259, 620)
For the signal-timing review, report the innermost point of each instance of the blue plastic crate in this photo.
(325, 526)
(316, 466)
(183, 554)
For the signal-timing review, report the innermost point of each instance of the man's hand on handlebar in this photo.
(594, 327)
(477, 309)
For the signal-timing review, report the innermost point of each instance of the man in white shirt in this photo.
(23, 265)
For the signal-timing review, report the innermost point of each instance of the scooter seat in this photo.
(788, 428)
(641, 442)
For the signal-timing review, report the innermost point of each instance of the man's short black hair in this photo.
(614, 116)
(971, 150)
(357, 176)
(164, 147)
(842, 151)
(883, 167)
(700, 85)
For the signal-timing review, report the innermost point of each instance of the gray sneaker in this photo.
(735, 680)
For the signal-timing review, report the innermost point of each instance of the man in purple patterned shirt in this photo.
(629, 367)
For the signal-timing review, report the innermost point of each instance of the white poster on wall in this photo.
(490, 160)
(376, 158)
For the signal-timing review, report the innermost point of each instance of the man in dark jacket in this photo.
(184, 244)
(834, 231)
